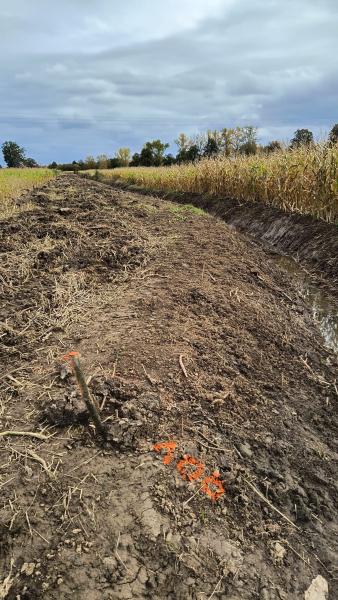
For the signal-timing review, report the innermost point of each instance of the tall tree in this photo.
(302, 137)
(211, 147)
(30, 162)
(90, 162)
(272, 146)
(123, 155)
(14, 155)
(333, 137)
(227, 140)
(135, 160)
(102, 161)
(183, 142)
(169, 160)
(152, 153)
(190, 154)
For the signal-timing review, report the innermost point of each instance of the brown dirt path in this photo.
(190, 333)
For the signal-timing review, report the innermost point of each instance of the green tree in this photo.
(169, 160)
(152, 153)
(211, 147)
(135, 160)
(333, 137)
(302, 137)
(53, 165)
(272, 146)
(14, 155)
(248, 148)
(30, 162)
(113, 163)
(123, 155)
(190, 154)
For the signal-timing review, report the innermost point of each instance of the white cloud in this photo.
(121, 73)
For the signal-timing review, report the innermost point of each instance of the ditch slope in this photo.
(190, 333)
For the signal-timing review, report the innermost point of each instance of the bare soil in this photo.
(311, 242)
(188, 332)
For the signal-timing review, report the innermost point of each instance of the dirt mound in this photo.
(190, 334)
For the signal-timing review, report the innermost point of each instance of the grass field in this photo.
(303, 180)
(15, 181)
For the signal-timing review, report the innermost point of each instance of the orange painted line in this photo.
(212, 485)
(68, 357)
(170, 446)
(183, 468)
(216, 482)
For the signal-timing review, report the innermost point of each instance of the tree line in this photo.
(225, 142)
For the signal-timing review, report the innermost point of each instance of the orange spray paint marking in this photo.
(68, 357)
(170, 446)
(214, 481)
(212, 485)
(190, 461)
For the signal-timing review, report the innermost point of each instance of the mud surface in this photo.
(188, 332)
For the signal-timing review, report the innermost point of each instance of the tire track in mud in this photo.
(135, 283)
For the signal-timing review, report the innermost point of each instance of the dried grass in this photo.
(13, 182)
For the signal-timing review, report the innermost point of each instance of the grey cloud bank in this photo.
(84, 78)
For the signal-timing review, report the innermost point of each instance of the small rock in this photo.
(29, 471)
(142, 576)
(110, 563)
(180, 483)
(192, 541)
(28, 568)
(300, 491)
(245, 450)
(318, 589)
(278, 552)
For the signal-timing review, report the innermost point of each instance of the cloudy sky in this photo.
(79, 77)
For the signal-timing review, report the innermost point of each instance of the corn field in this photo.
(13, 182)
(303, 180)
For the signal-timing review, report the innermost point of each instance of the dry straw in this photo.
(303, 180)
(13, 182)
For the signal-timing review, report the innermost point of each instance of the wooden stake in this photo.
(86, 395)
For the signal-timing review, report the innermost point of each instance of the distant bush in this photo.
(302, 137)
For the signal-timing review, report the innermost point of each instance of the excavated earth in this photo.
(189, 332)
